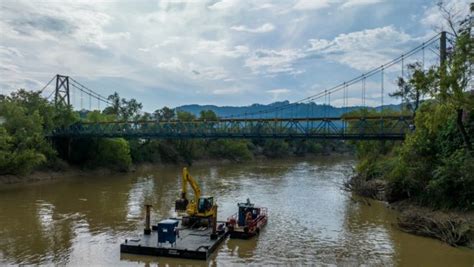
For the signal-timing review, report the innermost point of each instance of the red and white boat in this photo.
(247, 222)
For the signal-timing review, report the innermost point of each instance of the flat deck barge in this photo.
(191, 244)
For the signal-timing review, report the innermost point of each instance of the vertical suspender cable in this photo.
(423, 59)
(382, 85)
(73, 97)
(382, 89)
(325, 103)
(402, 87)
(363, 91)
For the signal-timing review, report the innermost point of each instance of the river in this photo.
(82, 220)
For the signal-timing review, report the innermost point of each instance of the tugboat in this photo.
(248, 221)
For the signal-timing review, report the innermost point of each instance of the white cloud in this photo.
(193, 70)
(227, 91)
(361, 50)
(322, 4)
(353, 3)
(266, 61)
(276, 93)
(174, 64)
(223, 4)
(279, 91)
(267, 27)
(312, 5)
(220, 48)
(260, 6)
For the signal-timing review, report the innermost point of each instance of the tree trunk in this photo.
(462, 129)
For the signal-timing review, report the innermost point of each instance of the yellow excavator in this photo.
(200, 210)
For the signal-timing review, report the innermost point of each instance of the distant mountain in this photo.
(298, 110)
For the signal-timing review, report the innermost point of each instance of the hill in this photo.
(299, 110)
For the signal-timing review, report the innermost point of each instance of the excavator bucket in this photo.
(181, 204)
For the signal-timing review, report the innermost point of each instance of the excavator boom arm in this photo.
(187, 178)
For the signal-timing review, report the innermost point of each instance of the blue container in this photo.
(167, 231)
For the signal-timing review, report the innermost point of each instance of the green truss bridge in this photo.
(348, 128)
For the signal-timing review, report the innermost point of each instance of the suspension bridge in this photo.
(369, 90)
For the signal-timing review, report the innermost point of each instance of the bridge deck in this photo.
(348, 128)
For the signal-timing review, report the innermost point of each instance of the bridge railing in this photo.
(369, 127)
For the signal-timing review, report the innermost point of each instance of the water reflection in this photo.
(82, 220)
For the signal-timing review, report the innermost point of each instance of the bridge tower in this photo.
(61, 96)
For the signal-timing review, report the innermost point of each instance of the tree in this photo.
(22, 145)
(455, 74)
(114, 109)
(185, 116)
(165, 114)
(130, 109)
(208, 115)
(412, 91)
(123, 109)
(115, 153)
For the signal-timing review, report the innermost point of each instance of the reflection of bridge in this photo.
(361, 128)
(285, 121)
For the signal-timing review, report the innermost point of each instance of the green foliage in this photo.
(145, 151)
(434, 166)
(113, 153)
(236, 150)
(430, 166)
(185, 116)
(122, 108)
(208, 115)
(28, 117)
(17, 161)
(164, 114)
(453, 182)
(275, 148)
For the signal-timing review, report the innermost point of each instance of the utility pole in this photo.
(442, 49)
(61, 96)
(442, 61)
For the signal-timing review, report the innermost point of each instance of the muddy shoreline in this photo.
(453, 227)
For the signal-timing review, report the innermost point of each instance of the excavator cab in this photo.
(205, 204)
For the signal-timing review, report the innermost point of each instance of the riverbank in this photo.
(50, 175)
(67, 170)
(453, 227)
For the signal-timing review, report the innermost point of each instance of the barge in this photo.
(196, 234)
(170, 239)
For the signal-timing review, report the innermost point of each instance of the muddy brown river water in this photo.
(82, 220)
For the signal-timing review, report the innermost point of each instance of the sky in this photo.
(222, 52)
